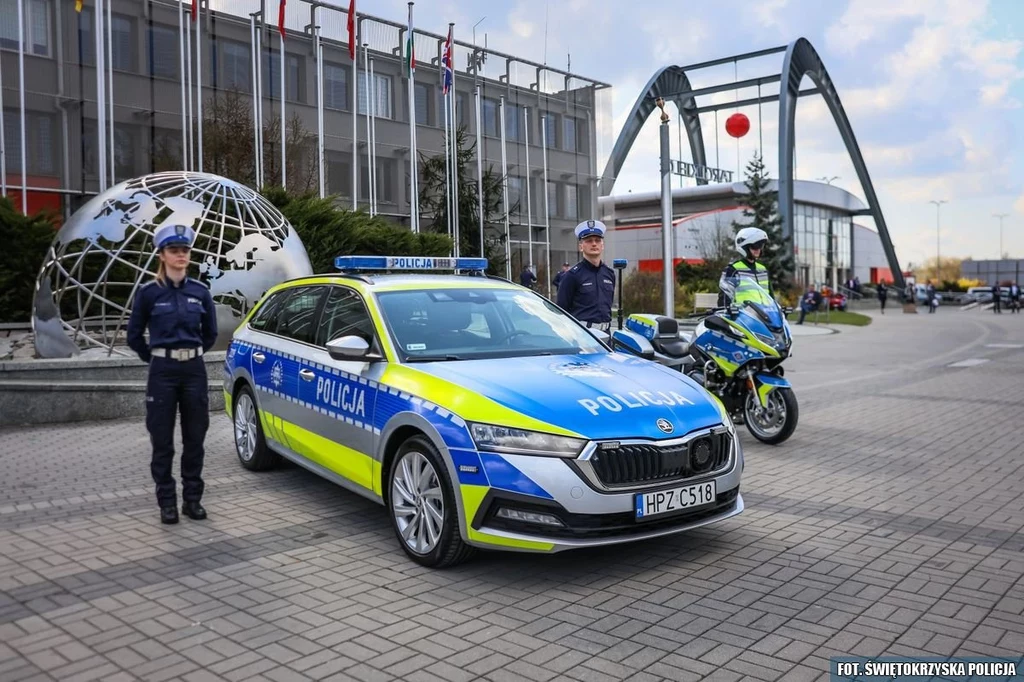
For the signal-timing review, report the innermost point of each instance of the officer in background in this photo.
(587, 288)
(750, 241)
(178, 311)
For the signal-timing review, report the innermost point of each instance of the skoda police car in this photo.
(476, 411)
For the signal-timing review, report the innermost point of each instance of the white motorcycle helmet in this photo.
(748, 237)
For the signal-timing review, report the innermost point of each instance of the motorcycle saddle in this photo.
(667, 341)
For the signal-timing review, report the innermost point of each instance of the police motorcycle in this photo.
(736, 353)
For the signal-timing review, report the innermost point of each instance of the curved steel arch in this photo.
(671, 80)
(802, 60)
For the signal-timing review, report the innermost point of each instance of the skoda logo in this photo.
(665, 425)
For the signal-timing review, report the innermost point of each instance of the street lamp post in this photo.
(1000, 216)
(938, 204)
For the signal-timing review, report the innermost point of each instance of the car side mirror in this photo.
(350, 348)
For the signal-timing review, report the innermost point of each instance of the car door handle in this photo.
(259, 357)
(307, 374)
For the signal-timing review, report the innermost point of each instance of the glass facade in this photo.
(821, 239)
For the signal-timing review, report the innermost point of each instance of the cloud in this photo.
(1018, 205)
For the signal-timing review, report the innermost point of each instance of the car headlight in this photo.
(523, 442)
(726, 419)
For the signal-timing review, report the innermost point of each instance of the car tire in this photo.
(250, 445)
(424, 516)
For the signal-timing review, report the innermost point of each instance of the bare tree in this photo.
(716, 244)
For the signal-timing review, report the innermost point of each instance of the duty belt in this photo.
(180, 354)
(603, 326)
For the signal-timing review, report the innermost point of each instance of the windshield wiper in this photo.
(434, 358)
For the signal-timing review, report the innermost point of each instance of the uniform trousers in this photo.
(175, 386)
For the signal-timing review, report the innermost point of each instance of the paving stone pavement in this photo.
(891, 523)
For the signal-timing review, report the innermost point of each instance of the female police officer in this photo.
(182, 323)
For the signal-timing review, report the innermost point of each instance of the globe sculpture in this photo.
(105, 252)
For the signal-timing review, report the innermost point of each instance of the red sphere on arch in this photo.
(737, 125)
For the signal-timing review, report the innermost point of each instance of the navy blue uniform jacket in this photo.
(586, 292)
(177, 317)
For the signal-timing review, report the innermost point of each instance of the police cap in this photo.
(590, 228)
(173, 234)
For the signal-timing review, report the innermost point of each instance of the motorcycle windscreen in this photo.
(749, 293)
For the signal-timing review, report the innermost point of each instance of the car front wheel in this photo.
(421, 502)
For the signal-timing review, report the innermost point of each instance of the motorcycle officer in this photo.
(182, 323)
(750, 241)
(587, 288)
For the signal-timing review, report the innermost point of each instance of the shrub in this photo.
(25, 239)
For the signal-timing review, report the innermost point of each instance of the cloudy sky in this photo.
(933, 88)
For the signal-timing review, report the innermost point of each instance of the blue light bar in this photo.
(408, 263)
(619, 263)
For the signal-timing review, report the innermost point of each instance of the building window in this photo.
(461, 113)
(571, 201)
(122, 41)
(423, 92)
(386, 172)
(550, 122)
(514, 123)
(516, 194)
(491, 116)
(125, 156)
(236, 64)
(165, 153)
(163, 52)
(339, 174)
(37, 26)
(335, 87)
(382, 93)
(569, 134)
(40, 146)
(553, 199)
(272, 77)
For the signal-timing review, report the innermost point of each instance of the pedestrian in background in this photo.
(883, 295)
(179, 313)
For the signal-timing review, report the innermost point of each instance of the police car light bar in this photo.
(619, 263)
(408, 263)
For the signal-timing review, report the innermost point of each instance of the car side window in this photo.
(344, 314)
(265, 319)
(297, 318)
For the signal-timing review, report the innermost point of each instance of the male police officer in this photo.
(182, 323)
(587, 289)
(750, 241)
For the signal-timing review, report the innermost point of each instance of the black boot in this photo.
(169, 515)
(194, 510)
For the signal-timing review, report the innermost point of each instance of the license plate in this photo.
(676, 499)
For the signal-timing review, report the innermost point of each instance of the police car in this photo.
(477, 412)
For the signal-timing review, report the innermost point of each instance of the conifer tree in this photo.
(762, 211)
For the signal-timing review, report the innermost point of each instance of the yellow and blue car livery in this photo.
(528, 445)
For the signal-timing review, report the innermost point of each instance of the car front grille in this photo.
(640, 464)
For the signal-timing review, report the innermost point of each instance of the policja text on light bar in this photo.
(408, 263)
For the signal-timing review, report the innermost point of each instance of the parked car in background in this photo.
(837, 301)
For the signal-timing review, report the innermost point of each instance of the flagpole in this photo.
(108, 65)
(254, 57)
(529, 203)
(3, 143)
(284, 133)
(21, 106)
(547, 207)
(373, 140)
(447, 166)
(479, 171)
(320, 104)
(181, 60)
(366, 117)
(199, 87)
(504, 189)
(410, 58)
(455, 146)
(260, 156)
(188, 88)
(101, 108)
(354, 54)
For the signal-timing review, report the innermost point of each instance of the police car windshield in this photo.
(434, 324)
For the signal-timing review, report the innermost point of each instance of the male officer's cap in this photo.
(590, 228)
(173, 234)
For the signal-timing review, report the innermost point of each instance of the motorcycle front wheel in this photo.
(776, 422)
